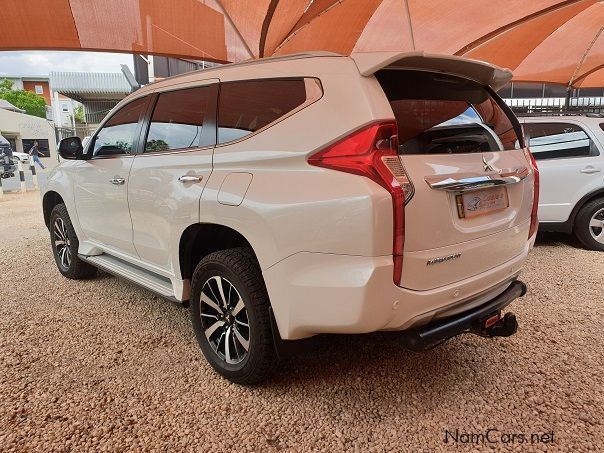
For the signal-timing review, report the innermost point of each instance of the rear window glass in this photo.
(247, 106)
(443, 114)
(558, 141)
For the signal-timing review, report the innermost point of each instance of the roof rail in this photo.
(251, 61)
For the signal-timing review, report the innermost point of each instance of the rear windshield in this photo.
(443, 114)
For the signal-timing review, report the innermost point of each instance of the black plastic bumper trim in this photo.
(420, 338)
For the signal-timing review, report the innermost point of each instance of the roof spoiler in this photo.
(480, 71)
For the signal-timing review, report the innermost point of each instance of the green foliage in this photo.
(78, 113)
(157, 145)
(26, 100)
(123, 144)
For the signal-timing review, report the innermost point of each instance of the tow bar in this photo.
(485, 320)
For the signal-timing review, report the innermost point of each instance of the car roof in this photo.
(244, 70)
(318, 64)
(591, 120)
(367, 63)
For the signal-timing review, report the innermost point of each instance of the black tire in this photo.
(73, 267)
(237, 269)
(584, 231)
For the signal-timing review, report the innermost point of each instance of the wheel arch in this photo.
(591, 196)
(49, 201)
(201, 239)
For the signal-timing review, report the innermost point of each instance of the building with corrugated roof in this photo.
(99, 92)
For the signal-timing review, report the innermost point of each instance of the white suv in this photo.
(316, 193)
(570, 154)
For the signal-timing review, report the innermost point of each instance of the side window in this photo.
(117, 135)
(558, 140)
(177, 120)
(247, 106)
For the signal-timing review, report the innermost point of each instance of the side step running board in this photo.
(120, 268)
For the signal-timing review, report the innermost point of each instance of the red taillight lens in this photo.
(373, 152)
(534, 219)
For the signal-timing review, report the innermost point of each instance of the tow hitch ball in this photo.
(496, 326)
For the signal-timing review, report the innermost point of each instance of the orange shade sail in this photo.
(563, 45)
(558, 41)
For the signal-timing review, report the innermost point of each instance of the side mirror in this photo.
(71, 148)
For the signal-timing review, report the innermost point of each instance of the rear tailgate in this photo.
(441, 246)
(473, 183)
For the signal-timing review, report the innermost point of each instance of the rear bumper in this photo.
(470, 321)
(313, 293)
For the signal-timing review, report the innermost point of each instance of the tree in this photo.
(26, 100)
(157, 145)
(78, 113)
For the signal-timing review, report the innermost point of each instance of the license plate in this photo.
(481, 202)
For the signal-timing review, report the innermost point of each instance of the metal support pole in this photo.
(1, 189)
(21, 176)
(34, 177)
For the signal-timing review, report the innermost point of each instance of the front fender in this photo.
(60, 182)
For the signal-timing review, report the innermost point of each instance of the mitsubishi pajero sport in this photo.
(315, 193)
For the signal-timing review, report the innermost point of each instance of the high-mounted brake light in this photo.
(373, 152)
(534, 218)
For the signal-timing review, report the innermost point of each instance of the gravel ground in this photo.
(103, 365)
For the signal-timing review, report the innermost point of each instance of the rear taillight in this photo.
(534, 219)
(373, 152)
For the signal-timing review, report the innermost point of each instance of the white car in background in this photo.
(23, 157)
(570, 155)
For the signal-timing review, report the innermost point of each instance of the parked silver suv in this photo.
(569, 151)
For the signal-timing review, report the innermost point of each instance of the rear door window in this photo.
(178, 120)
(444, 114)
(247, 106)
(558, 141)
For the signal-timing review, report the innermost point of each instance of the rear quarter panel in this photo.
(290, 206)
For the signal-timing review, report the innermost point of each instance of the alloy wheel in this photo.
(62, 244)
(596, 226)
(224, 320)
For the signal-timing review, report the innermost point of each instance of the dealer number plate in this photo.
(481, 202)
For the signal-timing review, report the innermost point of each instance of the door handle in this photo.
(117, 181)
(590, 170)
(190, 178)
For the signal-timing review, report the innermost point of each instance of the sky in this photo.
(42, 62)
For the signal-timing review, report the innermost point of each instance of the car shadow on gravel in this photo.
(557, 240)
(333, 359)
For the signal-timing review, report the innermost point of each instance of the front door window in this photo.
(117, 135)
